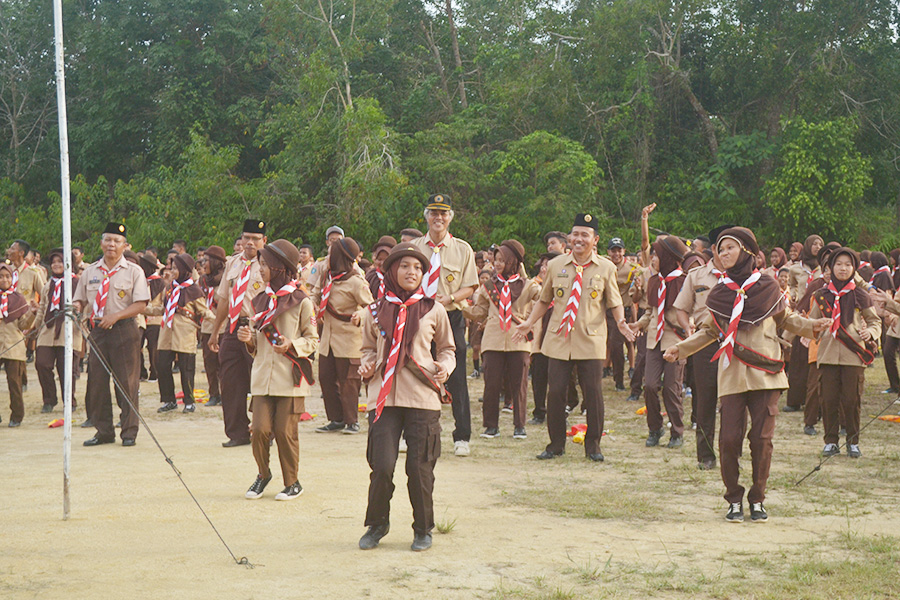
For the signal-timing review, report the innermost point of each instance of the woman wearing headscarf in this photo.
(746, 310)
(404, 394)
(51, 341)
(502, 303)
(212, 269)
(895, 267)
(881, 288)
(845, 349)
(375, 273)
(865, 270)
(282, 337)
(342, 298)
(804, 271)
(800, 275)
(661, 325)
(182, 308)
(794, 254)
(15, 317)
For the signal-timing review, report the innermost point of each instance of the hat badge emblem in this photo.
(121, 228)
(587, 218)
(261, 224)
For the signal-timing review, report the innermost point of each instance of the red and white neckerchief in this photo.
(4, 302)
(265, 317)
(387, 381)
(15, 280)
(103, 293)
(505, 303)
(380, 276)
(210, 298)
(56, 284)
(326, 292)
(884, 269)
(836, 308)
(812, 274)
(237, 295)
(719, 274)
(434, 272)
(863, 264)
(740, 292)
(661, 301)
(571, 313)
(172, 303)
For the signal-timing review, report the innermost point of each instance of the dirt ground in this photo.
(646, 523)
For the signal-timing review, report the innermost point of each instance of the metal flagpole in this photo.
(67, 244)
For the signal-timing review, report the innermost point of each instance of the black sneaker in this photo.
(535, 421)
(490, 433)
(792, 409)
(421, 542)
(675, 442)
(14, 423)
(706, 465)
(189, 408)
(853, 451)
(809, 430)
(290, 492)
(256, 490)
(830, 450)
(735, 513)
(167, 407)
(633, 398)
(653, 438)
(373, 535)
(214, 401)
(47, 408)
(547, 455)
(758, 513)
(87, 423)
(620, 388)
(507, 408)
(891, 391)
(351, 428)
(331, 427)
(519, 433)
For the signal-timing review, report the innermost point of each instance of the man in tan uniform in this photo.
(28, 281)
(111, 293)
(583, 286)
(240, 283)
(317, 272)
(625, 275)
(451, 280)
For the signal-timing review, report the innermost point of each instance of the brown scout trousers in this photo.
(658, 373)
(235, 364)
(539, 382)
(14, 372)
(422, 430)
(211, 364)
(45, 359)
(615, 347)
(842, 387)
(590, 373)
(509, 371)
(121, 349)
(798, 373)
(762, 406)
(340, 381)
(706, 396)
(278, 416)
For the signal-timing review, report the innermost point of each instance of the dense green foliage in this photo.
(187, 116)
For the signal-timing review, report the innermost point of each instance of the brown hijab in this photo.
(858, 298)
(763, 299)
(53, 316)
(883, 280)
(670, 250)
(281, 257)
(184, 265)
(513, 254)
(782, 258)
(16, 303)
(341, 256)
(806, 254)
(895, 257)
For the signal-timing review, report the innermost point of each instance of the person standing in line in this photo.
(319, 269)
(584, 285)
(800, 275)
(625, 275)
(342, 300)
(150, 333)
(112, 293)
(282, 337)
(240, 283)
(213, 268)
(375, 274)
(451, 280)
(51, 342)
(15, 317)
(307, 259)
(408, 353)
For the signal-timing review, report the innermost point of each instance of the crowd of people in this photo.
(707, 318)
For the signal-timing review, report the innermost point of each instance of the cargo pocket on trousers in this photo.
(432, 442)
(353, 372)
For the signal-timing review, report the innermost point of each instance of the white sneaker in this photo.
(461, 448)
(402, 444)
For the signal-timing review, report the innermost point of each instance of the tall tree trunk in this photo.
(429, 39)
(454, 39)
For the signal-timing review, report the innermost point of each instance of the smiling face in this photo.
(56, 265)
(5, 280)
(113, 246)
(617, 255)
(583, 240)
(409, 273)
(438, 222)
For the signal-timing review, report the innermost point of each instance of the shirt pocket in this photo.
(451, 272)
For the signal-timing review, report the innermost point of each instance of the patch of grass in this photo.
(587, 501)
(588, 570)
(503, 592)
(445, 525)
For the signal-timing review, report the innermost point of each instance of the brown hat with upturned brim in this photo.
(406, 249)
(386, 241)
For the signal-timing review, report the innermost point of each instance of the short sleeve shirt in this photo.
(126, 286)
(457, 266)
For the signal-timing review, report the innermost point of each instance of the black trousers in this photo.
(211, 364)
(590, 372)
(151, 336)
(235, 364)
(45, 359)
(798, 373)
(121, 347)
(539, 383)
(187, 365)
(640, 361)
(615, 347)
(706, 397)
(457, 384)
(422, 431)
(890, 348)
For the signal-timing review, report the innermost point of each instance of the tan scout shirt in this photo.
(832, 351)
(484, 309)
(739, 377)
(599, 292)
(408, 390)
(348, 296)
(127, 286)
(315, 280)
(255, 285)
(798, 276)
(272, 373)
(626, 274)
(638, 289)
(647, 323)
(182, 335)
(11, 345)
(31, 282)
(894, 307)
(697, 285)
(457, 266)
(47, 335)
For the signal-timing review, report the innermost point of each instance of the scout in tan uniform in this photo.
(213, 268)
(751, 369)
(150, 335)
(375, 274)
(342, 300)
(451, 280)
(51, 340)
(625, 275)
(319, 269)
(111, 293)
(660, 325)
(15, 317)
(801, 274)
(409, 234)
(502, 303)
(404, 392)
(692, 312)
(583, 286)
(845, 349)
(282, 336)
(29, 282)
(307, 259)
(240, 284)
(183, 306)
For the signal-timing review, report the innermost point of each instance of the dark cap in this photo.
(116, 228)
(406, 249)
(56, 252)
(585, 220)
(438, 202)
(715, 233)
(386, 242)
(254, 226)
(411, 231)
(286, 252)
(616, 243)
